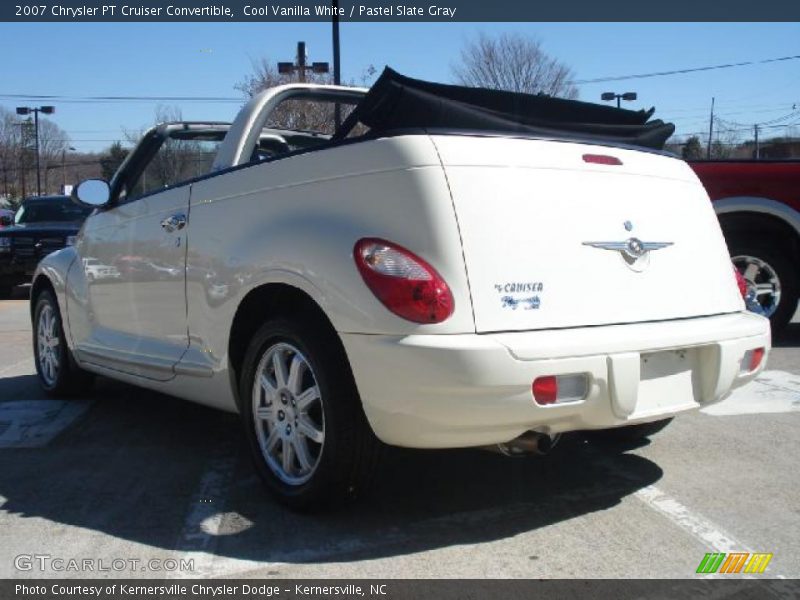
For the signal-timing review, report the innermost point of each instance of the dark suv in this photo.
(42, 225)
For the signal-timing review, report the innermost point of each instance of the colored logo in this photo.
(734, 562)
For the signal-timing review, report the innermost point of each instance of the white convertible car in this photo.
(453, 267)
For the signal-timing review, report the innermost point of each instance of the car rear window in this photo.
(51, 210)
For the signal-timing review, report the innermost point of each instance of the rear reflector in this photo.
(554, 389)
(751, 360)
(601, 159)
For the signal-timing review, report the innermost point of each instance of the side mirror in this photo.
(6, 221)
(92, 192)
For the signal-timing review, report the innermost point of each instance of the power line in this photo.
(227, 99)
(683, 71)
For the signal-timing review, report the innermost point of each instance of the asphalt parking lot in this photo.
(126, 474)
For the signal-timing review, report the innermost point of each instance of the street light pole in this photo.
(627, 96)
(48, 110)
(287, 68)
(36, 145)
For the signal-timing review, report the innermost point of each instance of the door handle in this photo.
(174, 222)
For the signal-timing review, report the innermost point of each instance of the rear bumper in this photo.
(445, 391)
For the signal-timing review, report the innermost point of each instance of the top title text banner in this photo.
(411, 11)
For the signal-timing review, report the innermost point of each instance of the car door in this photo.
(133, 259)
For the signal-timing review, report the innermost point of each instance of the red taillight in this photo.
(741, 282)
(755, 360)
(545, 389)
(403, 282)
(601, 159)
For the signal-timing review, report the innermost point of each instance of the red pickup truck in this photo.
(758, 204)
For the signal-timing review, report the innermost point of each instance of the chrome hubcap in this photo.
(287, 412)
(48, 345)
(763, 284)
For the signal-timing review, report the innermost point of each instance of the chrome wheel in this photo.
(48, 345)
(287, 414)
(763, 284)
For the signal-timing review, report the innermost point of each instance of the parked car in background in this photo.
(758, 205)
(41, 225)
(453, 268)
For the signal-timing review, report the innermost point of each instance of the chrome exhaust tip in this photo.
(529, 443)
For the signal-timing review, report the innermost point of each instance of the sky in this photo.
(202, 60)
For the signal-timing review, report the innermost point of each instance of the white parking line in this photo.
(706, 532)
(701, 528)
(201, 529)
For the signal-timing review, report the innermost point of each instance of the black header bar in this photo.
(408, 11)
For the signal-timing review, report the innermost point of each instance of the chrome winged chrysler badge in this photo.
(632, 248)
(634, 251)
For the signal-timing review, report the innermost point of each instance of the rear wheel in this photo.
(58, 373)
(772, 283)
(307, 432)
(632, 433)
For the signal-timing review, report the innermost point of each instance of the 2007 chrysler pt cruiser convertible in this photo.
(451, 267)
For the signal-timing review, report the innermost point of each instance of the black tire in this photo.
(632, 433)
(780, 262)
(6, 291)
(67, 379)
(345, 461)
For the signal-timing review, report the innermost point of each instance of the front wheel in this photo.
(58, 373)
(307, 432)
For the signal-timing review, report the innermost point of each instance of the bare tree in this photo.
(296, 114)
(18, 154)
(53, 143)
(692, 149)
(9, 154)
(726, 140)
(514, 63)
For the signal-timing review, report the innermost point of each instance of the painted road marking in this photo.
(771, 392)
(34, 423)
(206, 513)
(711, 535)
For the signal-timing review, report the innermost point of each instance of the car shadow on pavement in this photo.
(136, 466)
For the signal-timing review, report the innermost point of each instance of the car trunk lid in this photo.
(561, 234)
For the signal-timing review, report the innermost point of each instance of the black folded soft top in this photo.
(398, 102)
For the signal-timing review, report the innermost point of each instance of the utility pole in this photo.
(301, 61)
(337, 73)
(710, 129)
(64, 168)
(755, 133)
